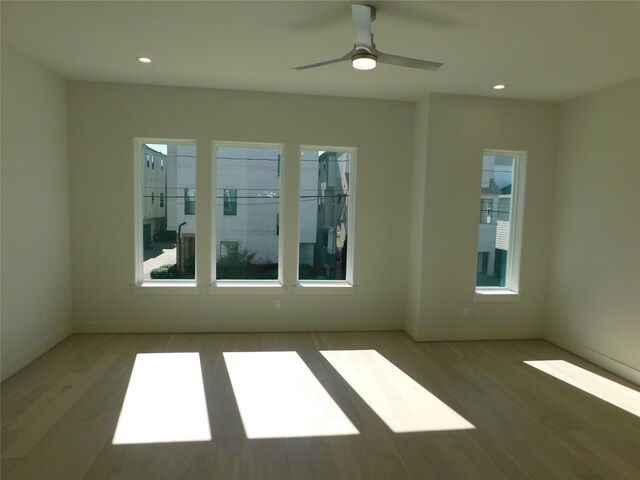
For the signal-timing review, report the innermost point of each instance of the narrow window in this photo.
(166, 231)
(228, 250)
(247, 199)
(230, 206)
(326, 215)
(497, 247)
(486, 207)
(189, 201)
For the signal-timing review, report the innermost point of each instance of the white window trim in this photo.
(495, 294)
(251, 287)
(330, 286)
(510, 292)
(167, 287)
(246, 286)
(141, 285)
(324, 287)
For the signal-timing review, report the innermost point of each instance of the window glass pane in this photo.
(494, 240)
(247, 209)
(168, 226)
(324, 220)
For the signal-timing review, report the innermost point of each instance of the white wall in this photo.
(595, 268)
(105, 118)
(458, 129)
(36, 298)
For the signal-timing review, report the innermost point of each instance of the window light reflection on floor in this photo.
(165, 401)
(278, 396)
(402, 403)
(592, 383)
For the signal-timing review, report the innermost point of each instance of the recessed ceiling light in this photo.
(144, 60)
(499, 87)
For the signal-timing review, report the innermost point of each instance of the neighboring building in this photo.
(155, 194)
(248, 201)
(495, 220)
(169, 200)
(248, 205)
(329, 248)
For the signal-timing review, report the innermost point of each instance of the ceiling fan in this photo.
(365, 55)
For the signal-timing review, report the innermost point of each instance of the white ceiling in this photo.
(541, 50)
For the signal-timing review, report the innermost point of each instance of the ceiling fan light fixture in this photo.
(363, 61)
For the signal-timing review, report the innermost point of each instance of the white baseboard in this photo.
(428, 335)
(603, 361)
(201, 327)
(15, 365)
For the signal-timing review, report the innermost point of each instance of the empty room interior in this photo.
(320, 240)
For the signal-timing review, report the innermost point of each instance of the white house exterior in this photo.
(308, 205)
(154, 164)
(248, 201)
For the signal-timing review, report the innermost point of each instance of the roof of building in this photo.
(492, 189)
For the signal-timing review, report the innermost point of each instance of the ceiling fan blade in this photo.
(406, 61)
(327, 62)
(362, 25)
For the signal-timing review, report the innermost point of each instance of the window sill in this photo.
(166, 288)
(244, 287)
(324, 288)
(495, 295)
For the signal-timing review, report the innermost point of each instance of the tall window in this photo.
(497, 246)
(166, 230)
(230, 206)
(486, 208)
(247, 200)
(326, 205)
(189, 201)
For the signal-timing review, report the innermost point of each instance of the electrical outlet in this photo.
(276, 304)
(465, 312)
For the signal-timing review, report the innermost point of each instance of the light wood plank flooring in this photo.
(59, 416)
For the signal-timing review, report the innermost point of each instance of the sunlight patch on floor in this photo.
(592, 383)
(165, 401)
(279, 397)
(402, 403)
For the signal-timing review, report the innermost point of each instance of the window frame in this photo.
(511, 291)
(346, 286)
(225, 286)
(140, 285)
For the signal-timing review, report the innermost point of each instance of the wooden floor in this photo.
(59, 416)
